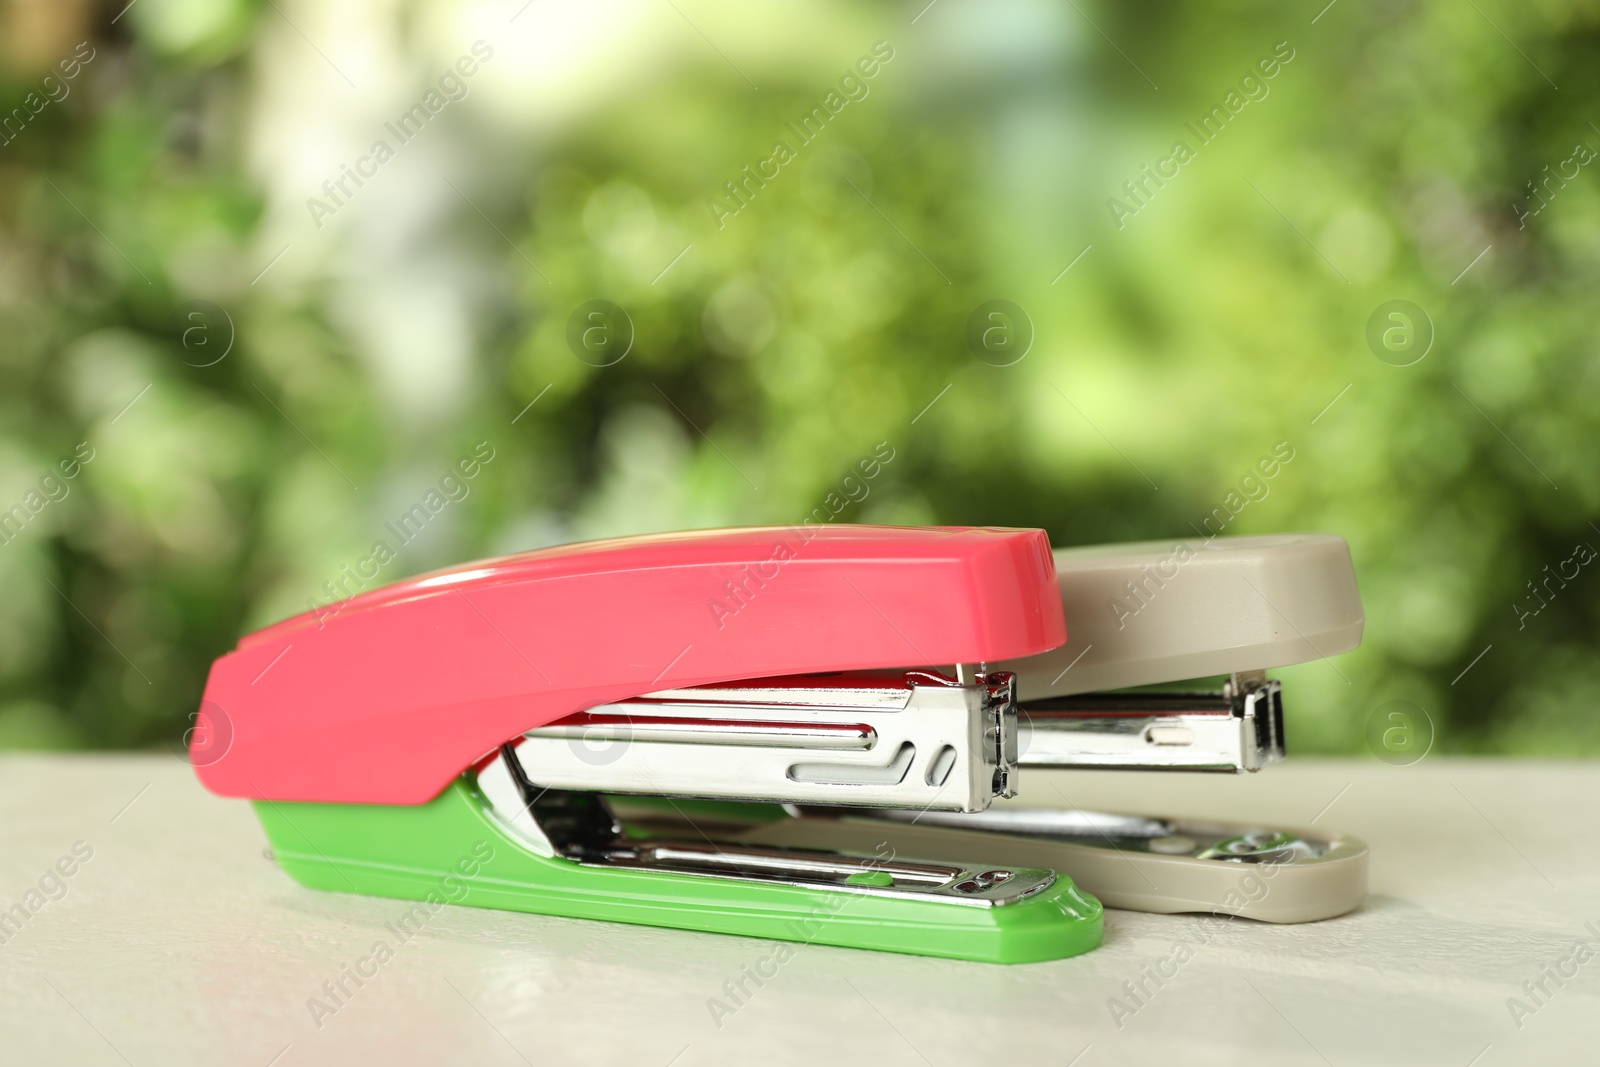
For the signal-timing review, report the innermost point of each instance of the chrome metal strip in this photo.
(964, 884)
(1237, 729)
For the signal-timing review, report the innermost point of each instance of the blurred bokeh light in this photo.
(264, 383)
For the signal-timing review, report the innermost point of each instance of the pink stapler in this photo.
(459, 736)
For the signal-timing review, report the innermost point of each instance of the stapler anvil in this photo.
(1143, 616)
(443, 730)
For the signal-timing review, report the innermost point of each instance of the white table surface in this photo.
(178, 942)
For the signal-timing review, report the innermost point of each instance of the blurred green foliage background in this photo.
(347, 359)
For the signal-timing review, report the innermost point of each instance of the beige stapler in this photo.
(1141, 617)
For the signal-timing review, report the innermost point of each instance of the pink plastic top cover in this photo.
(387, 696)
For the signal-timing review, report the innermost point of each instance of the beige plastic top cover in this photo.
(1164, 611)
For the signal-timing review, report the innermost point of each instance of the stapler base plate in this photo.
(425, 853)
(1294, 890)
